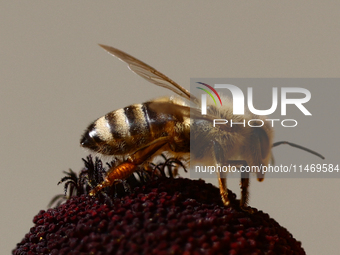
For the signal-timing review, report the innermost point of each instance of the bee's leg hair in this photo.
(222, 181)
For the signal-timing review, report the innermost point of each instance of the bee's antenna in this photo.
(299, 147)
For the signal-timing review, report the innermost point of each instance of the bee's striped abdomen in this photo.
(125, 130)
(137, 119)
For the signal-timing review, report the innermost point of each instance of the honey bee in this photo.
(140, 131)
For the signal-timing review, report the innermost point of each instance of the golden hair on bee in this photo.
(136, 133)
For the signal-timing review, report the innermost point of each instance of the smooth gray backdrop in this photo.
(55, 80)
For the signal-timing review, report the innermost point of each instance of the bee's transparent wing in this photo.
(149, 73)
(181, 110)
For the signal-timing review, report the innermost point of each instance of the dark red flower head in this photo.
(163, 216)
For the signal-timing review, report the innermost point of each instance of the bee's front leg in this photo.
(244, 184)
(222, 181)
(244, 192)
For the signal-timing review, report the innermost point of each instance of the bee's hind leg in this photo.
(125, 169)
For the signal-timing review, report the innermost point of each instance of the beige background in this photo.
(55, 80)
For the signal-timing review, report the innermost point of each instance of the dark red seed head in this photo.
(164, 216)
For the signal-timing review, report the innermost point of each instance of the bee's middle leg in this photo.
(222, 183)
